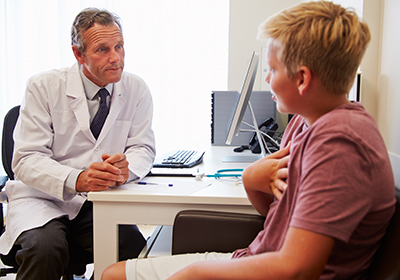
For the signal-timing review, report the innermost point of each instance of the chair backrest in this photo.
(386, 263)
(8, 141)
(79, 257)
(199, 231)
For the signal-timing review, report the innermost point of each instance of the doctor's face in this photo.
(103, 60)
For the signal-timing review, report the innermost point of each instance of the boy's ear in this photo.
(304, 79)
(78, 54)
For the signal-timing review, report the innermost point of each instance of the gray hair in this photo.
(85, 19)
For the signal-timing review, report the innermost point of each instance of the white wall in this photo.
(389, 82)
(372, 15)
(244, 19)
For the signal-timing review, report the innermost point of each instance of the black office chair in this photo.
(79, 258)
(210, 231)
(199, 231)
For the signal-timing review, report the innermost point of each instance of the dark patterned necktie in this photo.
(101, 115)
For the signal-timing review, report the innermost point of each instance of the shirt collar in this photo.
(91, 88)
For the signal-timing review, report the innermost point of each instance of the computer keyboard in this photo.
(180, 159)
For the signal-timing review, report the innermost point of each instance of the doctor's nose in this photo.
(114, 57)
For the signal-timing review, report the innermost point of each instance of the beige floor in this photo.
(146, 231)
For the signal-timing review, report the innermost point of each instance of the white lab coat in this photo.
(52, 137)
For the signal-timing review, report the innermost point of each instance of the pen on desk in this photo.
(151, 183)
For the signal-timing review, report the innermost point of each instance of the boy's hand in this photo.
(268, 174)
(280, 185)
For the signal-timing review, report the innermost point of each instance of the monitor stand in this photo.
(263, 144)
(254, 157)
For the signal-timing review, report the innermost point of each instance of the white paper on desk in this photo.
(179, 187)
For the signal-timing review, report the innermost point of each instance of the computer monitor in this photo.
(243, 99)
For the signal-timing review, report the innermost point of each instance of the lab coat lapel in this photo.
(77, 101)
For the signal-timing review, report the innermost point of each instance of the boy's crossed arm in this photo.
(266, 177)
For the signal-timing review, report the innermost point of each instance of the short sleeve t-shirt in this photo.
(340, 184)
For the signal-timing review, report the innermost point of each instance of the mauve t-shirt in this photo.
(340, 184)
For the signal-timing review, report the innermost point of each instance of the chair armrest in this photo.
(3, 180)
(3, 195)
(210, 231)
(386, 262)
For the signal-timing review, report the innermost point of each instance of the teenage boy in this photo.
(331, 212)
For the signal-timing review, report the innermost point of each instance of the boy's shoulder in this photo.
(348, 118)
(349, 121)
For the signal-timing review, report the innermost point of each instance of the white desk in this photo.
(125, 205)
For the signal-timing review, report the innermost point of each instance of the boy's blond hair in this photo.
(325, 37)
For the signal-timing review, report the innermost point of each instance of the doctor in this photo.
(58, 159)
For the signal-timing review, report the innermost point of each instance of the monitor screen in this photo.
(243, 99)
